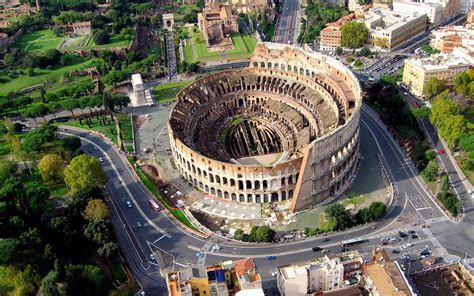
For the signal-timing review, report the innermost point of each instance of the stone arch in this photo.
(213, 191)
(226, 195)
(206, 188)
(257, 184)
(290, 193)
(283, 183)
(224, 180)
(233, 196)
(255, 64)
(211, 178)
(201, 185)
(232, 182)
(218, 179)
(290, 180)
(283, 195)
(241, 185)
(219, 193)
(258, 198)
(249, 198)
(269, 64)
(241, 198)
(333, 159)
(262, 65)
(274, 197)
(248, 184)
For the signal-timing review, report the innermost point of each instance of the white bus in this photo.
(154, 205)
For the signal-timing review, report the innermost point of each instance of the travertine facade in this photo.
(286, 127)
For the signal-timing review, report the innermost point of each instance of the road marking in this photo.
(180, 264)
(122, 182)
(152, 263)
(425, 208)
(161, 237)
(194, 248)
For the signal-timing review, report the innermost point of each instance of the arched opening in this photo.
(283, 181)
(234, 196)
(206, 188)
(283, 195)
(219, 193)
(226, 195)
(211, 178)
(249, 198)
(201, 185)
(248, 184)
(232, 182)
(224, 180)
(218, 179)
(290, 193)
(274, 197)
(265, 184)
(241, 198)
(213, 191)
(257, 185)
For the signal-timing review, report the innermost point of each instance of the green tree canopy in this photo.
(340, 215)
(51, 167)
(36, 138)
(354, 34)
(434, 87)
(96, 210)
(84, 171)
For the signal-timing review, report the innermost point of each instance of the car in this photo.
(441, 151)
(95, 148)
(139, 224)
(405, 257)
(406, 246)
(324, 251)
(326, 239)
(152, 257)
(270, 257)
(394, 239)
(216, 247)
(273, 273)
(101, 159)
(129, 204)
(316, 249)
(411, 232)
(425, 253)
(402, 234)
(199, 255)
(395, 251)
(414, 236)
(403, 267)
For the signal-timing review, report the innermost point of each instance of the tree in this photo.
(431, 171)
(49, 286)
(354, 34)
(453, 127)
(107, 250)
(52, 56)
(70, 105)
(340, 215)
(377, 209)
(264, 234)
(39, 110)
(36, 138)
(96, 210)
(440, 108)
(9, 250)
(339, 51)
(72, 143)
(434, 87)
(421, 113)
(461, 83)
(99, 232)
(84, 171)
(100, 37)
(51, 167)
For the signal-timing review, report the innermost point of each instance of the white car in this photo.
(273, 273)
(216, 247)
(406, 246)
(129, 204)
(152, 257)
(101, 159)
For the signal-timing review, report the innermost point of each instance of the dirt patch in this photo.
(138, 121)
(212, 223)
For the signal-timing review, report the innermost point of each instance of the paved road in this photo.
(288, 23)
(171, 55)
(160, 236)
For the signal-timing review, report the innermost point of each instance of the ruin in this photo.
(284, 128)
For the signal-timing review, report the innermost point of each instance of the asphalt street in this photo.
(288, 23)
(160, 236)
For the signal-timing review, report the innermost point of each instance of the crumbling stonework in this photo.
(286, 127)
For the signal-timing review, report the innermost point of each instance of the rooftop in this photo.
(439, 61)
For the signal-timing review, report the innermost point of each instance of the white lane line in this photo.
(425, 208)
(161, 237)
(194, 248)
(180, 264)
(153, 263)
(122, 182)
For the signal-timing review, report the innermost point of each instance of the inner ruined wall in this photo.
(319, 169)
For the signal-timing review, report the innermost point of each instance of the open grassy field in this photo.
(39, 41)
(54, 74)
(167, 92)
(196, 50)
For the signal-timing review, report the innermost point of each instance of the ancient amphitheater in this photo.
(284, 128)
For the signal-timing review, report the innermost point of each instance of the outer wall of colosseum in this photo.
(326, 148)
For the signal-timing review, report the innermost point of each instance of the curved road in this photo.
(174, 247)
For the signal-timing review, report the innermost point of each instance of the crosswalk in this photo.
(418, 202)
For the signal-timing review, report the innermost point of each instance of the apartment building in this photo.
(465, 6)
(320, 275)
(330, 36)
(389, 30)
(239, 278)
(418, 71)
(383, 276)
(447, 38)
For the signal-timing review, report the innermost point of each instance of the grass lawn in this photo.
(39, 41)
(355, 200)
(115, 41)
(42, 75)
(108, 129)
(126, 130)
(177, 213)
(167, 92)
(196, 50)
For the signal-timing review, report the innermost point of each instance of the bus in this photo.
(154, 205)
(351, 242)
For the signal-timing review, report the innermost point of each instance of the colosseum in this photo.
(284, 128)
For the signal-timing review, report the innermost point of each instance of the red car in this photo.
(440, 151)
